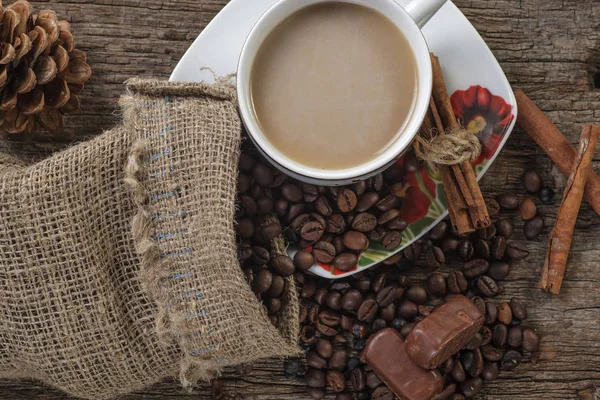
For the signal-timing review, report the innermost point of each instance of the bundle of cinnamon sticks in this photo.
(583, 181)
(466, 206)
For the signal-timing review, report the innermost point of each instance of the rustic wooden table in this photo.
(548, 48)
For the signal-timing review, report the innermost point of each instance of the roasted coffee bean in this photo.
(245, 228)
(282, 265)
(391, 240)
(515, 336)
(527, 209)
(299, 222)
(493, 207)
(517, 250)
(263, 281)
(308, 334)
(363, 284)
(323, 207)
(466, 251)
(387, 203)
(518, 308)
(498, 247)
(309, 192)
(477, 365)
(248, 205)
(449, 244)
(482, 248)
(416, 294)
(504, 229)
(475, 342)
(324, 252)
(515, 322)
(308, 289)
(379, 282)
(533, 228)
(312, 231)
(345, 261)
(247, 162)
(413, 252)
(291, 193)
(281, 208)
(504, 313)
(479, 303)
(360, 330)
(407, 310)
(360, 188)
(404, 281)
(388, 216)
(359, 344)
(366, 201)
(338, 360)
(475, 268)
(532, 182)
(446, 366)
(508, 200)
(378, 325)
(340, 286)
(499, 335)
(260, 255)
(303, 260)
(486, 334)
(346, 200)
(295, 210)
(386, 296)
(458, 372)
(313, 360)
(436, 284)
(244, 250)
(411, 162)
(491, 313)
(457, 283)
(466, 359)
(353, 362)
(394, 259)
(398, 323)
(274, 306)
(487, 233)
(333, 300)
(511, 359)
(367, 310)
(316, 393)
(546, 194)
(358, 379)
(487, 286)
(373, 380)
(315, 378)
(313, 313)
(271, 231)
(364, 222)
(326, 329)
(448, 391)
(471, 387)
(335, 223)
(351, 300)
(338, 243)
(435, 257)
(439, 231)
(388, 313)
(491, 370)
(491, 353)
(346, 322)
(279, 179)
(263, 174)
(499, 270)
(398, 224)
(356, 241)
(320, 219)
(324, 349)
(255, 192)
(531, 341)
(277, 286)
(375, 182)
(382, 393)
(377, 234)
(243, 369)
(329, 318)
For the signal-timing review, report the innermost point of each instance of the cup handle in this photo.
(421, 11)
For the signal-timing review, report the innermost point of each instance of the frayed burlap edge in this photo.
(190, 370)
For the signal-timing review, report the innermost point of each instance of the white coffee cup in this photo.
(408, 20)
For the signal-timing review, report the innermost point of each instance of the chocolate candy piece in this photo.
(444, 332)
(385, 353)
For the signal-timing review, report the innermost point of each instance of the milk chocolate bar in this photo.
(444, 332)
(385, 353)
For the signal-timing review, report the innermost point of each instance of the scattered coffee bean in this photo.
(508, 201)
(448, 391)
(333, 300)
(412, 252)
(388, 313)
(458, 372)
(435, 257)
(499, 270)
(491, 313)
(315, 378)
(546, 194)
(416, 294)
(391, 240)
(367, 310)
(373, 380)
(487, 233)
(262, 174)
(466, 251)
(313, 360)
(499, 335)
(471, 387)
(324, 348)
(504, 228)
(518, 308)
(491, 353)
(345, 261)
(282, 265)
(456, 282)
(504, 313)
(382, 393)
(439, 231)
(407, 310)
(493, 207)
(449, 244)
(491, 370)
(315, 393)
(379, 282)
(532, 182)
(475, 268)
(346, 200)
(533, 228)
(498, 248)
(378, 325)
(436, 284)
(475, 342)
(511, 359)
(386, 296)
(486, 334)
(527, 209)
(487, 286)
(387, 203)
(531, 341)
(515, 336)
(263, 281)
(338, 360)
(517, 250)
(358, 379)
(336, 381)
(356, 241)
(351, 300)
(364, 222)
(482, 248)
(366, 201)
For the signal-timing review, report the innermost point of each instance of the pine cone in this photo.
(41, 72)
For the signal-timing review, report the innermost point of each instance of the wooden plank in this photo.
(548, 48)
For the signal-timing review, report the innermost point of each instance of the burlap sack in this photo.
(118, 258)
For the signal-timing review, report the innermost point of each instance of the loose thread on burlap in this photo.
(453, 147)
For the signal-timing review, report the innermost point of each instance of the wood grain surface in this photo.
(548, 48)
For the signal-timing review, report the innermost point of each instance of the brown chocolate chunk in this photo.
(445, 331)
(385, 353)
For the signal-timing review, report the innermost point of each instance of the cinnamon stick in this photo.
(548, 137)
(463, 173)
(559, 242)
